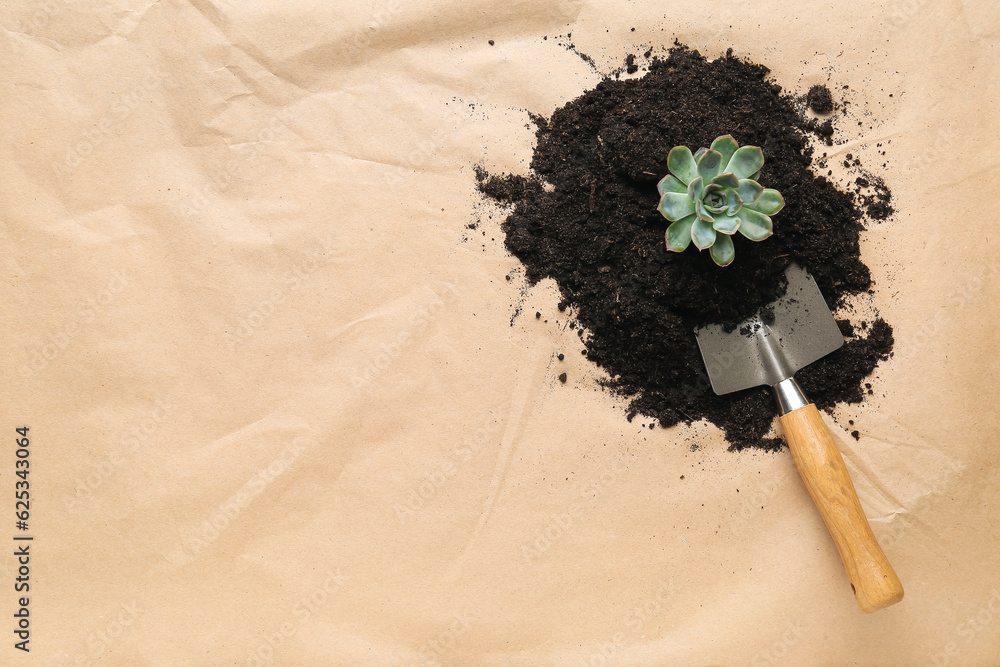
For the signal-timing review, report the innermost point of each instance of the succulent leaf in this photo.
(769, 203)
(723, 253)
(727, 181)
(726, 224)
(709, 165)
(703, 213)
(735, 203)
(679, 234)
(715, 198)
(746, 161)
(676, 205)
(749, 191)
(681, 164)
(726, 145)
(670, 184)
(698, 153)
(695, 189)
(702, 234)
(755, 226)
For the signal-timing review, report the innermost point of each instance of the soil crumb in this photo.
(587, 217)
(819, 100)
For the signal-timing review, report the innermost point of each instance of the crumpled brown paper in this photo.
(286, 408)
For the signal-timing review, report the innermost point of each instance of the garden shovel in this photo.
(770, 351)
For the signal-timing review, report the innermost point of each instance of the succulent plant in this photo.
(711, 195)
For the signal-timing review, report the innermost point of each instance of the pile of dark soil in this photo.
(587, 217)
(819, 100)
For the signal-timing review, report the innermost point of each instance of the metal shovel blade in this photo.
(762, 352)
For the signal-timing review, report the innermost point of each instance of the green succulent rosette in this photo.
(711, 195)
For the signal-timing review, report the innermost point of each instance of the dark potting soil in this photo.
(587, 217)
(820, 100)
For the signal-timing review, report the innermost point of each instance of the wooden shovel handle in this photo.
(873, 580)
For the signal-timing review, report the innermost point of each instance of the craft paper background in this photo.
(287, 409)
